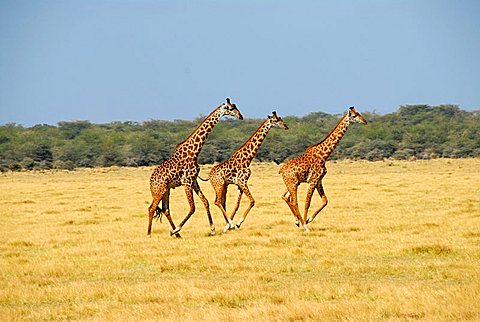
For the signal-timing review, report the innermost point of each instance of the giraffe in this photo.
(310, 168)
(236, 170)
(182, 169)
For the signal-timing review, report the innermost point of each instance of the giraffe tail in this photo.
(203, 179)
(158, 214)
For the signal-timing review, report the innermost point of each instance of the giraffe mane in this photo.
(330, 133)
(198, 127)
(254, 133)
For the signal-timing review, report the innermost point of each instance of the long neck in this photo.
(326, 147)
(197, 139)
(249, 149)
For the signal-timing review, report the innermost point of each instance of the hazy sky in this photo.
(136, 60)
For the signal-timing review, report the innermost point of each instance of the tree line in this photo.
(412, 132)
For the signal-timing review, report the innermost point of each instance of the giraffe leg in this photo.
(224, 197)
(321, 192)
(286, 198)
(308, 199)
(228, 219)
(247, 192)
(291, 199)
(220, 202)
(199, 193)
(166, 210)
(151, 213)
(191, 202)
(237, 205)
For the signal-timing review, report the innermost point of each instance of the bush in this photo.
(63, 165)
(27, 163)
(414, 131)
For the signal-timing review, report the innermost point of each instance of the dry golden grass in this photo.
(398, 241)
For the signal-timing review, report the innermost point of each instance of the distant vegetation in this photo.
(414, 131)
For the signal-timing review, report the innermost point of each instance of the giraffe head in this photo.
(228, 108)
(277, 121)
(355, 117)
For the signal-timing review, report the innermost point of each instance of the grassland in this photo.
(398, 241)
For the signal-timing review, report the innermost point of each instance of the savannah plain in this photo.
(398, 241)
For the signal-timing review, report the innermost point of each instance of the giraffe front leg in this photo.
(321, 192)
(200, 194)
(308, 200)
(292, 201)
(237, 205)
(250, 206)
(230, 225)
(286, 198)
(151, 213)
(220, 201)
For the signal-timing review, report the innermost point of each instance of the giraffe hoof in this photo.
(175, 231)
(212, 230)
(297, 223)
(309, 220)
(239, 223)
(306, 229)
(229, 226)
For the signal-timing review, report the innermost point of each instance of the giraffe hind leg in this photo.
(166, 211)
(200, 194)
(172, 224)
(189, 194)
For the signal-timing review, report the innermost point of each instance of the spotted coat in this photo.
(310, 168)
(236, 170)
(182, 169)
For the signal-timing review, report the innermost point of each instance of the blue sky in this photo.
(124, 60)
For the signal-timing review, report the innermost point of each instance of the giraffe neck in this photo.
(197, 139)
(249, 149)
(325, 148)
